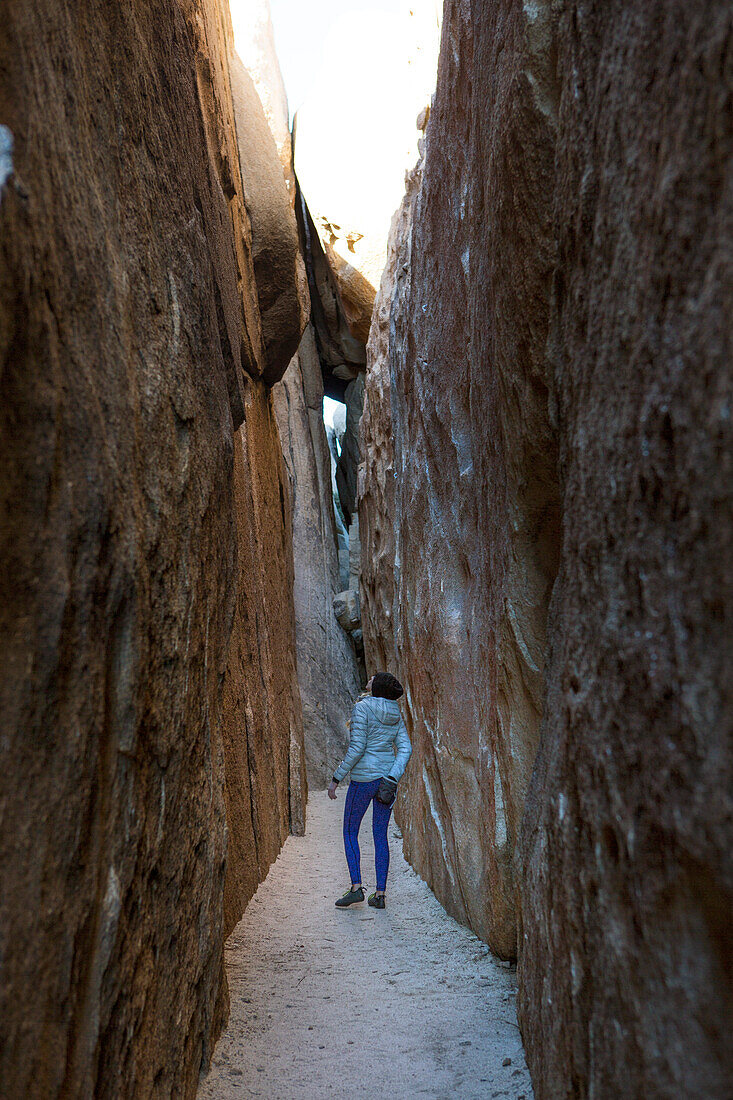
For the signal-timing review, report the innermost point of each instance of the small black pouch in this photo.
(386, 791)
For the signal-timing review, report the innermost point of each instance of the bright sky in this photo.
(329, 408)
(301, 30)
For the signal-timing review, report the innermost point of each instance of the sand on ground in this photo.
(398, 1002)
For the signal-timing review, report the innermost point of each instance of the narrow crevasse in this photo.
(523, 512)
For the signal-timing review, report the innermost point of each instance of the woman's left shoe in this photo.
(377, 901)
(351, 897)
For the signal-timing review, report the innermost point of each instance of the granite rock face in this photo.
(376, 472)
(130, 352)
(550, 355)
(327, 668)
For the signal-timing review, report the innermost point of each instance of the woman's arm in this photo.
(357, 741)
(404, 751)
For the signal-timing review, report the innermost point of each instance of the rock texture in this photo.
(550, 355)
(376, 474)
(463, 320)
(629, 828)
(327, 668)
(130, 351)
(263, 723)
(282, 285)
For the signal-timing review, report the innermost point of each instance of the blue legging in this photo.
(358, 797)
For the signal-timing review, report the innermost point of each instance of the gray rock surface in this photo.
(348, 464)
(327, 668)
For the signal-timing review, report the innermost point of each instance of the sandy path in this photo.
(402, 1002)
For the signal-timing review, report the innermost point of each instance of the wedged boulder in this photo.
(346, 610)
(282, 285)
(254, 42)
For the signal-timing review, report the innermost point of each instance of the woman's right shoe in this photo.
(351, 897)
(376, 901)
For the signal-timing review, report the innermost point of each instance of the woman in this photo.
(377, 732)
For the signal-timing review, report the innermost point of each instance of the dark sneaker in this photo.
(351, 897)
(376, 901)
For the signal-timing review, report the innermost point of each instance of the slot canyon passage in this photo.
(497, 236)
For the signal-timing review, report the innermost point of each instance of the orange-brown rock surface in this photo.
(263, 729)
(548, 380)
(462, 324)
(626, 856)
(146, 624)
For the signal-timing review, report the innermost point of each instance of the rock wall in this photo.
(376, 473)
(263, 722)
(550, 357)
(473, 494)
(141, 532)
(626, 859)
(327, 668)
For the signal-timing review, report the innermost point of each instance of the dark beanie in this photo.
(386, 686)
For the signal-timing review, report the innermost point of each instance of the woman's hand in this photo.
(332, 790)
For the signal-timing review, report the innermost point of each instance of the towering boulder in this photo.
(473, 504)
(552, 344)
(627, 873)
(282, 285)
(254, 41)
(130, 354)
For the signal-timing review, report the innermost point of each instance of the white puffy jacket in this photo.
(379, 745)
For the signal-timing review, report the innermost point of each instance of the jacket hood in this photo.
(386, 710)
